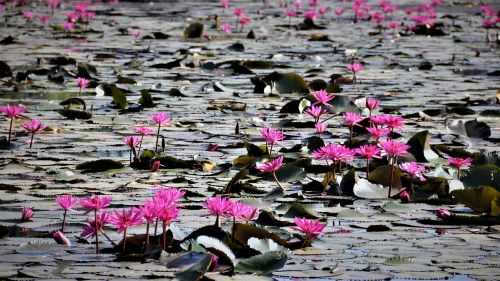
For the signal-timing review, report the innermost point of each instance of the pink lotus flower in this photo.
(394, 25)
(71, 17)
(316, 112)
(393, 148)
(244, 20)
(12, 112)
(226, 27)
(238, 12)
(459, 163)
(81, 7)
(249, 214)
(487, 11)
(323, 97)
(311, 228)
(489, 23)
(169, 195)
(155, 166)
(354, 68)
(443, 213)
(372, 104)
(236, 209)
(28, 15)
(2, 8)
(144, 131)
(320, 127)
(271, 166)
(44, 18)
(149, 212)
(272, 137)
(95, 203)
(404, 197)
(378, 120)
(298, 4)
(60, 238)
(160, 118)
(351, 118)
(224, 3)
(69, 26)
(124, 220)
(338, 11)
(34, 126)
(132, 142)
(218, 206)
(54, 4)
(290, 13)
(333, 152)
(135, 33)
(82, 83)
(378, 133)
(310, 15)
(91, 230)
(67, 203)
(26, 214)
(369, 152)
(393, 122)
(413, 169)
(166, 213)
(322, 10)
(314, 3)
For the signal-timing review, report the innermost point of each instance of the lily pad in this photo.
(478, 199)
(100, 165)
(263, 264)
(194, 30)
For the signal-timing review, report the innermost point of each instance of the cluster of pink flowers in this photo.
(13, 112)
(223, 207)
(490, 18)
(159, 119)
(163, 207)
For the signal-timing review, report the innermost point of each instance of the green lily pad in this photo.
(382, 175)
(420, 147)
(299, 210)
(100, 165)
(289, 83)
(146, 100)
(243, 232)
(263, 264)
(194, 30)
(488, 175)
(478, 199)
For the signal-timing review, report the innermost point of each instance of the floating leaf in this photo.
(146, 100)
(193, 265)
(299, 210)
(263, 264)
(367, 190)
(478, 199)
(75, 114)
(100, 165)
(487, 175)
(420, 147)
(211, 243)
(290, 173)
(265, 245)
(243, 232)
(495, 206)
(267, 218)
(289, 83)
(194, 30)
(477, 129)
(398, 260)
(382, 175)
